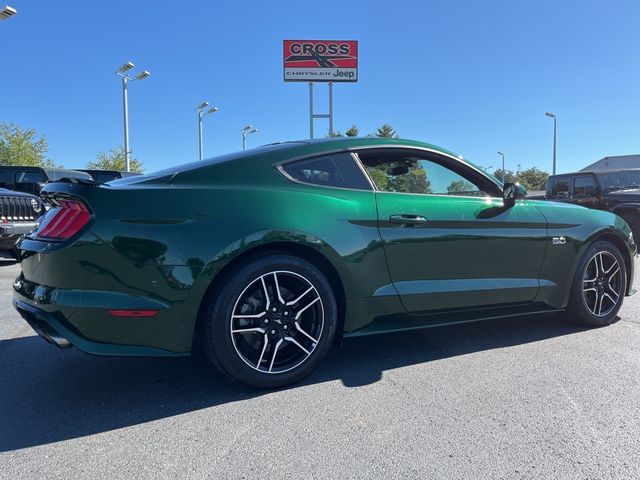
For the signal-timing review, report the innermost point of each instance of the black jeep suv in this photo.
(617, 191)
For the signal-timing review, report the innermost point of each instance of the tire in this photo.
(598, 286)
(270, 322)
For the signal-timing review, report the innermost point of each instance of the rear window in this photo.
(337, 170)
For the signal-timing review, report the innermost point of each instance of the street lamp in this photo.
(503, 172)
(201, 113)
(122, 72)
(551, 115)
(7, 12)
(246, 131)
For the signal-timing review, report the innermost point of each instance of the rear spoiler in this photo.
(81, 181)
(67, 186)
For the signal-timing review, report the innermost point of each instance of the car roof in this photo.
(301, 148)
(581, 172)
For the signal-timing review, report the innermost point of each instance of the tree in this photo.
(386, 131)
(22, 147)
(115, 159)
(352, 132)
(533, 178)
(509, 176)
(335, 134)
(460, 186)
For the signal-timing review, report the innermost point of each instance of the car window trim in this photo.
(458, 161)
(356, 148)
(280, 167)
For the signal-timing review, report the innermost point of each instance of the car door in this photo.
(448, 239)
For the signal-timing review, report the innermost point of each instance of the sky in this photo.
(475, 77)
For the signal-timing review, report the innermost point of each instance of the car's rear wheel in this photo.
(598, 286)
(270, 322)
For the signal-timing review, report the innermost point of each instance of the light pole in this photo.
(122, 72)
(503, 172)
(246, 131)
(202, 113)
(7, 12)
(549, 114)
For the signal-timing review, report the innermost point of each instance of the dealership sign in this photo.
(320, 61)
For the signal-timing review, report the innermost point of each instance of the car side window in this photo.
(3, 179)
(584, 186)
(560, 188)
(413, 173)
(337, 170)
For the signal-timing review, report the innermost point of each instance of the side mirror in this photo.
(512, 192)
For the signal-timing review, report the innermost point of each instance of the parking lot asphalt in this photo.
(529, 397)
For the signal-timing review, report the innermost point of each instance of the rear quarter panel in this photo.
(168, 242)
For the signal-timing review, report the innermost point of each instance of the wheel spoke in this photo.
(257, 315)
(601, 262)
(266, 294)
(247, 330)
(293, 340)
(293, 302)
(614, 292)
(615, 272)
(299, 328)
(275, 352)
(609, 297)
(264, 349)
(304, 308)
(275, 277)
(613, 265)
(600, 305)
(585, 290)
(595, 303)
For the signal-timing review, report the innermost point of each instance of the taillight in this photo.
(65, 220)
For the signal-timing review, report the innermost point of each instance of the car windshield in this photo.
(619, 180)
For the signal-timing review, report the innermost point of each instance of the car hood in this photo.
(624, 195)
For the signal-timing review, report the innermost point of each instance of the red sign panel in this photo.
(320, 60)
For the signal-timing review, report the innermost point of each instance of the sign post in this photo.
(325, 61)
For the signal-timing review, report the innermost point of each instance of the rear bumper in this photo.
(42, 324)
(51, 321)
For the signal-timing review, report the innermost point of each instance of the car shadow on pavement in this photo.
(49, 395)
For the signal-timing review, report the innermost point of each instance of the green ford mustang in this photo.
(266, 256)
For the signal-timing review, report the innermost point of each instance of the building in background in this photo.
(619, 162)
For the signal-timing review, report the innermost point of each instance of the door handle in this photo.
(407, 220)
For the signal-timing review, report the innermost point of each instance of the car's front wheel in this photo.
(598, 286)
(271, 321)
